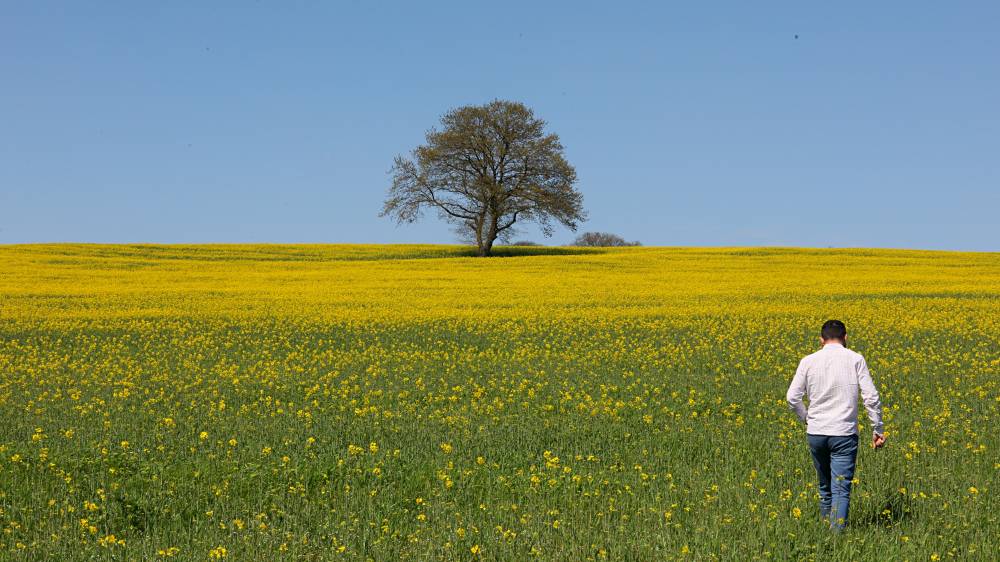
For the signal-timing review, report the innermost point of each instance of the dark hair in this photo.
(833, 330)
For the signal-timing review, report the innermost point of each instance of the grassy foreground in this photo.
(413, 403)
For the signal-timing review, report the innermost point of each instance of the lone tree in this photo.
(488, 167)
(602, 239)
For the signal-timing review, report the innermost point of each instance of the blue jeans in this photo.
(834, 457)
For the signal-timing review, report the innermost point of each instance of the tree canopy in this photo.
(487, 168)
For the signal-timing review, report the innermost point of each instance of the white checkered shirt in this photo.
(832, 378)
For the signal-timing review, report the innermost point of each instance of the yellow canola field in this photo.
(258, 402)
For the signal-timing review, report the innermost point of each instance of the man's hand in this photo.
(878, 441)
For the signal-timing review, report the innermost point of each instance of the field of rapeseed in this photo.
(415, 403)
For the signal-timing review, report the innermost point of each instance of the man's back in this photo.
(832, 378)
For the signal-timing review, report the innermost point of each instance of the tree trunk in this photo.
(477, 230)
(486, 240)
(486, 248)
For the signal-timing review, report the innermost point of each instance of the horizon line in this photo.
(537, 245)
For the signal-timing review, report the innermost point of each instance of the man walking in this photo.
(832, 378)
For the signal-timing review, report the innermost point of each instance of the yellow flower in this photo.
(110, 540)
(446, 447)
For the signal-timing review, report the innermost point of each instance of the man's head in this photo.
(833, 331)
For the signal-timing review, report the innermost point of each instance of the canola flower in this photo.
(262, 402)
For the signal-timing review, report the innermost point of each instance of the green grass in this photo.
(656, 376)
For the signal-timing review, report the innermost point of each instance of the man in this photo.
(832, 378)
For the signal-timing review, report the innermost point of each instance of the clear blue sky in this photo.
(697, 123)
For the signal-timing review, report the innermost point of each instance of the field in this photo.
(413, 403)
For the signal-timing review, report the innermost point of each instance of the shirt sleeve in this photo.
(870, 397)
(797, 390)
